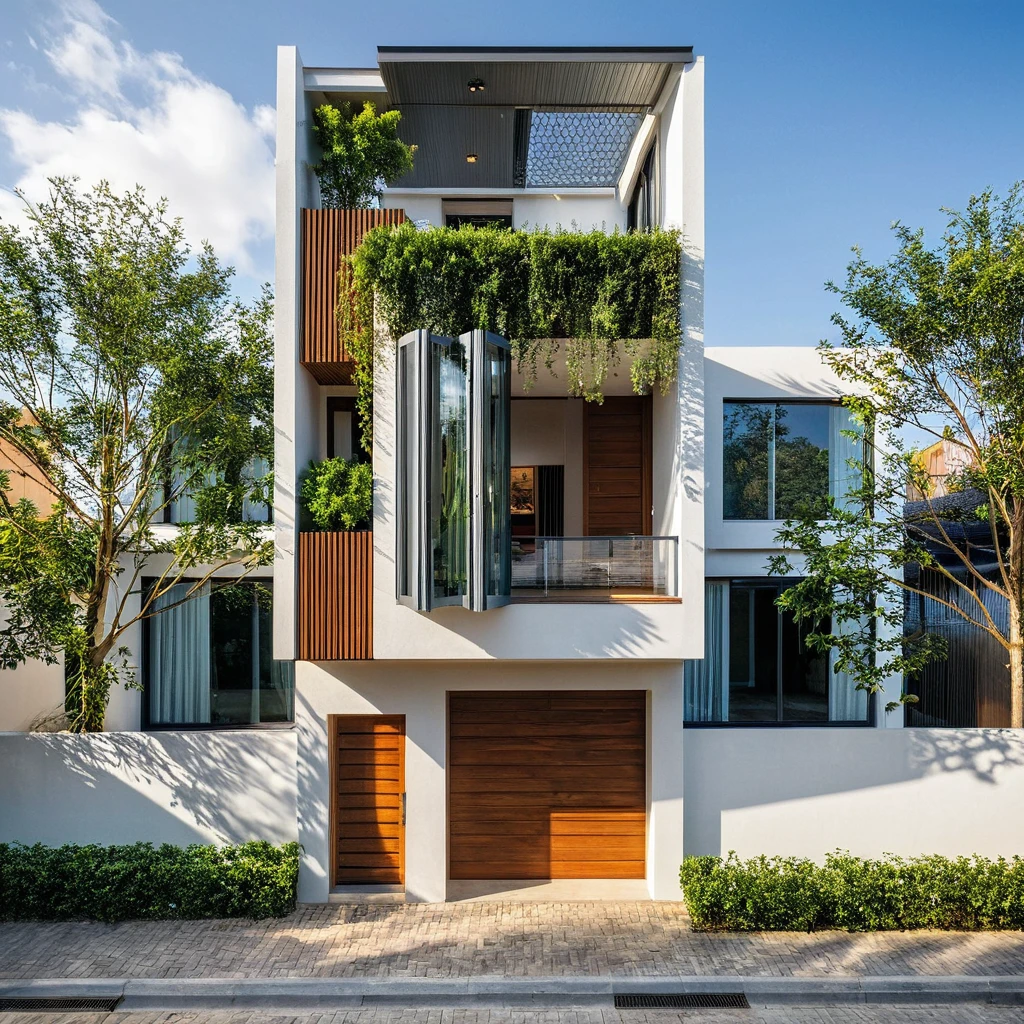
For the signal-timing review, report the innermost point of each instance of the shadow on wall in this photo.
(173, 787)
(808, 791)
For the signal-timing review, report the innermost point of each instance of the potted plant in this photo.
(360, 152)
(335, 617)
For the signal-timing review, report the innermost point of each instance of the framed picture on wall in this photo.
(524, 498)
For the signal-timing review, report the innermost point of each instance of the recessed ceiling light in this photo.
(476, 85)
(471, 158)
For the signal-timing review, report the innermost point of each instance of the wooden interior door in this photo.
(547, 784)
(617, 442)
(368, 799)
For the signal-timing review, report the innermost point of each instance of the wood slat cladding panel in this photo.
(367, 783)
(617, 469)
(335, 596)
(547, 784)
(327, 235)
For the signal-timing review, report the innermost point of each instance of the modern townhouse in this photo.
(580, 673)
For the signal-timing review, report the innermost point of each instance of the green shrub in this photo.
(851, 893)
(143, 882)
(338, 495)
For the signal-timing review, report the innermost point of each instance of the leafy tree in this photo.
(129, 378)
(934, 349)
(360, 150)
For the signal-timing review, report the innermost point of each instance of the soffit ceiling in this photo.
(447, 122)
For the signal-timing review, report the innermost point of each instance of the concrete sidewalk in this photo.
(507, 939)
(302, 995)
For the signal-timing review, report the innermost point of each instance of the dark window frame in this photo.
(643, 199)
(146, 722)
(769, 400)
(868, 722)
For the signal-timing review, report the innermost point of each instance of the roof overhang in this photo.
(449, 119)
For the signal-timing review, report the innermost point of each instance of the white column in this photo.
(426, 825)
(665, 825)
(296, 395)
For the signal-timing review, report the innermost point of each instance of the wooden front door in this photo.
(368, 796)
(617, 444)
(547, 784)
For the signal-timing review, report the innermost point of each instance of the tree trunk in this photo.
(1016, 669)
(88, 692)
(1015, 572)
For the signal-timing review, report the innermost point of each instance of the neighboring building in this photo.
(943, 461)
(631, 693)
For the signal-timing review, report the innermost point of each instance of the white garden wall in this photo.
(167, 787)
(806, 792)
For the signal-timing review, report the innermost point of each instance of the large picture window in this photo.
(782, 459)
(757, 667)
(208, 659)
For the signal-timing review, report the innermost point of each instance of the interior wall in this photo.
(549, 432)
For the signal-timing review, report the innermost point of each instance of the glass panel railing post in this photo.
(546, 570)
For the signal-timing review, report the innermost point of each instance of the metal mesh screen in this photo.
(578, 149)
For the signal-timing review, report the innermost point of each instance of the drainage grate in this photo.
(46, 1004)
(683, 1000)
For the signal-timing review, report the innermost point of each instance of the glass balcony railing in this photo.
(594, 568)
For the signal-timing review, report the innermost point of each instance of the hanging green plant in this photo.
(599, 296)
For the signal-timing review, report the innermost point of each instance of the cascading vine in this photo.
(600, 297)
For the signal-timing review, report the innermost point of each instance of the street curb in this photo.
(496, 991)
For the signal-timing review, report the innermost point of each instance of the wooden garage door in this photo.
(368, 826)
(617, 448)
(547, 784)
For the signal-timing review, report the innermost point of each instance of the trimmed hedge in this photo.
(853, 894)
(143, 882)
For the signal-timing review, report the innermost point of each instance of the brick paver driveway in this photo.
(460, 940)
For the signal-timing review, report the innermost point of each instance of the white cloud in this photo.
(145, 118)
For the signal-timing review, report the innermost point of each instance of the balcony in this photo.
(580, 569)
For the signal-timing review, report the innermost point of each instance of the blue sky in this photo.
(825, 121)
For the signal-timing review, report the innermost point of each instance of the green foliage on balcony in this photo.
(600, 298)
(337, 494)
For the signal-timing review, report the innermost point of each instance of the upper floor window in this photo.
(640, 214)
(480, 213)
(783, 459)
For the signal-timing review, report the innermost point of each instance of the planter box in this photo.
(335, 596)
(327, 235)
